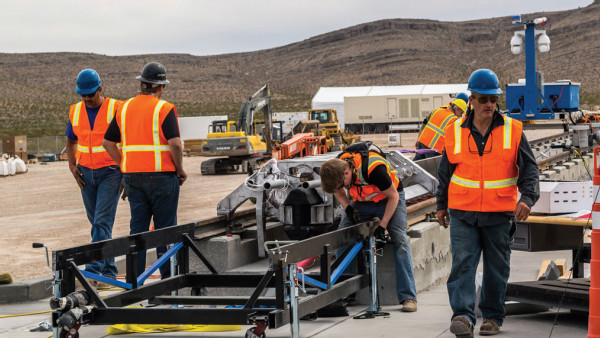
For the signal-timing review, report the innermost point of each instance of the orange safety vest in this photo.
(90, 152)
(361, 190)
(144, 147)
(433, 135)
(485, 183)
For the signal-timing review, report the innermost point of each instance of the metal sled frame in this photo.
(271, 312)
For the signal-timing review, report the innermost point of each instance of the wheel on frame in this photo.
(250, 334)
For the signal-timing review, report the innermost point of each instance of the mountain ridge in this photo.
(36, 89)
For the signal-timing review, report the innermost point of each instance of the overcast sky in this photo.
(203, 27)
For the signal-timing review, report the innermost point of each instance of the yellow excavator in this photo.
(246, 143)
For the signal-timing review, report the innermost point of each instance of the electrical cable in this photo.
(579, 250)
(26, 314)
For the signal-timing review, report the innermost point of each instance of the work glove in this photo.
(352, 215)
(381, 239)
(379, 233)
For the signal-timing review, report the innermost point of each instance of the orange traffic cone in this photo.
(594, 294)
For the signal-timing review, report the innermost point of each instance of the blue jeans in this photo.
(405, 281)
(467, 243)
(100, 198)
(152, 196)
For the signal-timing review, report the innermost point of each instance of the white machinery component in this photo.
(290, 191)
(564, 197)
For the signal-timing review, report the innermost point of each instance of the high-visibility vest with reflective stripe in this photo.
(433, 135)
(90, 152)
(485, 183)
(144, 147)
(361, 190)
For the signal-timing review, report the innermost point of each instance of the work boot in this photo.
(489, 327)
(409, 305)
(461, 327)
(79, 286)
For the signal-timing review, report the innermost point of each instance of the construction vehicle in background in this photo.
(246, 143)
(329, 126)
(300, 145)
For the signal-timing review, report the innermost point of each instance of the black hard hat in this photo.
(153, 72)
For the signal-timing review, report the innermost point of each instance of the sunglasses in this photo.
(486, 99)
(89, 95)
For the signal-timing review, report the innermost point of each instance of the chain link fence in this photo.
(39, 146)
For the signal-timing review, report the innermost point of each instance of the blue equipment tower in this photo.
(534, 99)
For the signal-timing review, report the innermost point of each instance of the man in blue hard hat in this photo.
(486, 159)
(97, 175)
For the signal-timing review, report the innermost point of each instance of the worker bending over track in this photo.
(376, 191)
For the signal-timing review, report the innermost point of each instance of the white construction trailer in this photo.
(383, 108)
(196, 127)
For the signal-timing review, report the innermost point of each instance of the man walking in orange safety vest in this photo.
(486, 159)
(432, 136)
(151, 158)
(98, 176)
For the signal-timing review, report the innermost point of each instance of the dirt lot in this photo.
(44, 205)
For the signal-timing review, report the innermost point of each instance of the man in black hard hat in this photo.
(151, 156)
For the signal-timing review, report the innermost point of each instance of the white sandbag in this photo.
(3, 168)
(12, 168)
(20, 166)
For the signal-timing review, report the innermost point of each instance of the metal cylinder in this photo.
(311, 184)
(373, 275)
(274, 184)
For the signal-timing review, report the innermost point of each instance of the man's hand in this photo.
(77, 174)
(443, 217)
(182, 176)
(522, 211)
(379, 233)
(122, 191)
(352, 215)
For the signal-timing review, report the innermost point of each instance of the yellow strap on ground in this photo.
(157, 328)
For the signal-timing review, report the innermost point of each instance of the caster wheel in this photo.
(250, 334)
(68, 334)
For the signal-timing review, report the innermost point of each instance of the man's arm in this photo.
(112, 150)
(445, 171)
(71, 148)
(177, 154)
(341, 196)
(390, 207)
(528, 181)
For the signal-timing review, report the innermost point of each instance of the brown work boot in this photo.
(489, 327)
(461, 327)
(409, 305)
(79, 286)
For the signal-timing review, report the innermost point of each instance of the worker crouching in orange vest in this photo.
(433, 134)
(376, 191)
(486, 159)
(151, 158)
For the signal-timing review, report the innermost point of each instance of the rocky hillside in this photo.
(37, 89)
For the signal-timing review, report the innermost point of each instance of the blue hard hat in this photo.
(463, 96)
(484, 82)
(88, 82)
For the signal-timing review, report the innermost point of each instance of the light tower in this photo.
(531, 100)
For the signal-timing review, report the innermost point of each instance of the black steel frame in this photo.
(109, 310)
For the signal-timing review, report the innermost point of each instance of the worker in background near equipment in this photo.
(464, 97)
(432, 136)
(376, 191)
(152, 157)
(98, 176)
(486, 158)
